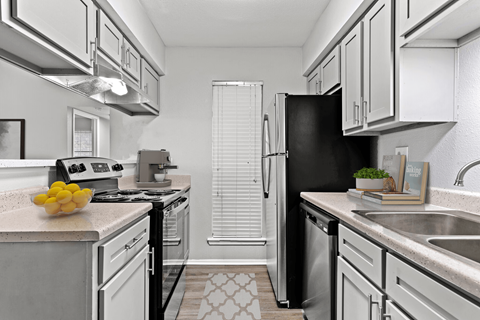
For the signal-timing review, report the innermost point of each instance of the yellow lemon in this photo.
(52, 192)
(88, 192)
(72, 187)
(82, 204)
(68, 207)
(52, 206)
(64, 196)
(40, 199)
(59, 184)
(79, 196)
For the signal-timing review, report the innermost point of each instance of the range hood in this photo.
(99, 87)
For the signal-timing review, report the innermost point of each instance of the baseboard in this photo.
(227, 262)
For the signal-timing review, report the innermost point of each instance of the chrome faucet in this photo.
(461, 173)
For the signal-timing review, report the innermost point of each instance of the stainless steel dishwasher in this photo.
(320, 251)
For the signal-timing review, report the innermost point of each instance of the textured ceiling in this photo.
(234, 23)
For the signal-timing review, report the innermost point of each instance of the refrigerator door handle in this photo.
(266, 136)
(266, 176)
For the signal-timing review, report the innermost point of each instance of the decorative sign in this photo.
(12, 138)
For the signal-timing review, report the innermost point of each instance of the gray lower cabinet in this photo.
(357, 298)
(424, 298)
(125, 296)
(394, 313)
(69, 24)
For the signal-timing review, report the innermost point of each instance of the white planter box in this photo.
(369, 184)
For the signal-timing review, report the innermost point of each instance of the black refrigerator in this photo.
(303, 149)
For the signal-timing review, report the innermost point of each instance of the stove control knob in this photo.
(81, 168)
(117, 167)
(73, 168)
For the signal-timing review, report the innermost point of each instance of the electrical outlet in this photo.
(402, 151)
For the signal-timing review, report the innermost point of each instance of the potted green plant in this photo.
(370, 179)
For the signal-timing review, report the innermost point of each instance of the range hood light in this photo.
(119, 88)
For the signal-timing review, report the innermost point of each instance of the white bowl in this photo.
(159, 177)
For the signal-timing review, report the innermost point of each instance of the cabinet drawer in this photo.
(363, 254)
(423, 297)
(330, 71)
(114, 254)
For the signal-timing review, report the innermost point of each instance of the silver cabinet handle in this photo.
(152, 253)
(145, 87)
(127, 58)
(356, 113)
(135, 241)
(93, 52)
(365, 111)
(319, 87)
(370, 303)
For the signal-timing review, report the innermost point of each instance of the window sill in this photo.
(236, 241)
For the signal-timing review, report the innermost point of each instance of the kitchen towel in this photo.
(230, 296)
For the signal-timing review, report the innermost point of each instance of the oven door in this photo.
(173, 247)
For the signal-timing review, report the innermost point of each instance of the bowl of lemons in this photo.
(62, 199)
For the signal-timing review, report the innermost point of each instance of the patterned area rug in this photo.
(230, 296)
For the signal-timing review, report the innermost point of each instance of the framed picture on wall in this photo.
(12, 138)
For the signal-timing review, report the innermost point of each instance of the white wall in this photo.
(448, 147)
(44, 106)
(184, 126)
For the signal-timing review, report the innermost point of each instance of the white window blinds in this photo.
(237, 202)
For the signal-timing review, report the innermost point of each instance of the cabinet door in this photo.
(125, 297)
(378, 98)
(110, 38)
(131, 60)
(413, 12)
(357, 298)
(423, 297)
(69, 24)
(313, 82)
(150, 83)
(330, 71)
(351, 49)
(393, 313)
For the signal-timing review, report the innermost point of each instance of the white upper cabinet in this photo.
(150, 84)
(351, 49)
(110, 38)
(69, 24)
(313, 82)
(131, 60)
(413, 12)
(378, 80)
(330, 71)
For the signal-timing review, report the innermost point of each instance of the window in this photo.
(236, 166)
(85, 134)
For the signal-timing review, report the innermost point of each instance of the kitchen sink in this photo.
(431, 223)
(468, 248)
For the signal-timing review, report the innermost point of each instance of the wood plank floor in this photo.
(197, 277)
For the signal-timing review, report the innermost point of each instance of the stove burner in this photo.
(110, 198)
(158, 192)
(129, 191)
(147, 199)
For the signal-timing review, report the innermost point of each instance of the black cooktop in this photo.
(158, 198)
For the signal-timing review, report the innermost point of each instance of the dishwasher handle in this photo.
(321, 220)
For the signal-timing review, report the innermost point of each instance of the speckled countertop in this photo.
(93, 223)
(21, 222)
(461, 272)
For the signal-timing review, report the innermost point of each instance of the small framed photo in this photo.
(12, 138)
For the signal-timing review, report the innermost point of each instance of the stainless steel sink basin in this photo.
(431, 223)
(468, 248)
